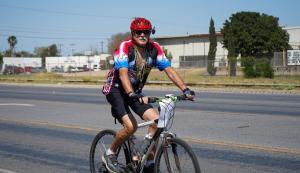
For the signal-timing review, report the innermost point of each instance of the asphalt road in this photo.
(49, 129)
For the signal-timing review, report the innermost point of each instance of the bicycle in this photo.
(172, 155)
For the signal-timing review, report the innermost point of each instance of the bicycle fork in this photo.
(166, 145)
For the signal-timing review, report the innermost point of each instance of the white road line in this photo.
(16, 104)
(6, 171)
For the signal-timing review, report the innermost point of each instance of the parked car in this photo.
(10, 69)
(81, 69)
(57, 69)
(38, 70)
(28, 69)
(72, 69)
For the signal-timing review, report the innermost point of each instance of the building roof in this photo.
(186, 36)
(290, 28)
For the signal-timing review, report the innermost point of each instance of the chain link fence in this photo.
(200, 61)
(281, 67)
(278, 62)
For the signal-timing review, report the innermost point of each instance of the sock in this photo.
(149, 162)
(109, 152)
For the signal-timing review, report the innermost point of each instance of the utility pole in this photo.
(72, 48)
(60, 45)
(101, 43)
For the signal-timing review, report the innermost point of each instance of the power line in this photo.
(52, 28)
(57, 38)
(86, 15)
(59, 12)
(41, 32)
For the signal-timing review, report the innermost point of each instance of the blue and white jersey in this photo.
(124, 57)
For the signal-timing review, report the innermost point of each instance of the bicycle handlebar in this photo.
(179, 97)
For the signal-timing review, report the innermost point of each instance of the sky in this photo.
(81, 25)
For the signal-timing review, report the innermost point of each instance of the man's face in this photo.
(141, 37)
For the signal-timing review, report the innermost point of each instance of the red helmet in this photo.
(140, 24)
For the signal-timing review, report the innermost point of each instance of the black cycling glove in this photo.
(188, 93)
(136, 97)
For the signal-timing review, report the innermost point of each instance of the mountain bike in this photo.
(172, 155)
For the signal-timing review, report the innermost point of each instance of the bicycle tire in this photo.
(98, 166)
(170, 156)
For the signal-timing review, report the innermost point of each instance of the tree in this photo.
(211, 69)
(252, 34)
(115, 41)
(43, 52)
(78, 54)
(12, 41)
(1, 60)
(24, 54)
(53, 51)
(232, 55)
(168, 54)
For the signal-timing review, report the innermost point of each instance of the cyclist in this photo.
(133, 61)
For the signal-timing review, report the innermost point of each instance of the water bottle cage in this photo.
(145, 146)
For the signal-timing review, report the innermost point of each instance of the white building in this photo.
(22, 62)
(294, 33)
(192, 50)
(65, 63)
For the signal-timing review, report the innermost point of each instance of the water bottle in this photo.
(135, 153)
(145, 144)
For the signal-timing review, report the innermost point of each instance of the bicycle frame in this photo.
(161, 133)
(163, 139)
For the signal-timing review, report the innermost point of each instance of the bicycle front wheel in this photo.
(100, 144)
(175, 155)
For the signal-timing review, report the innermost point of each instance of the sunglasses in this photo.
(139, 32)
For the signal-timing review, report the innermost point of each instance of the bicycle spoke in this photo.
(103, 148)
(176, 158)
(100, 144)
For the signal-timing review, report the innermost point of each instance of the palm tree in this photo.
(12, 41)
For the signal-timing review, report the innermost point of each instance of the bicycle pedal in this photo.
(124, 170)
(103, 169)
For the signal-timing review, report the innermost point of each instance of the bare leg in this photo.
(129, 127)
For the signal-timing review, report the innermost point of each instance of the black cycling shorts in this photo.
(120, 104)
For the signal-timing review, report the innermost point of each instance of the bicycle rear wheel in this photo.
(175, 155)
(100, 144)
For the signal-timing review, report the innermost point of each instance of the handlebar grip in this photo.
(152, 99)
(182, 97)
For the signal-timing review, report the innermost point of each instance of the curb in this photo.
(162, 87)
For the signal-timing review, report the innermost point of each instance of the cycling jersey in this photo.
(126, 57)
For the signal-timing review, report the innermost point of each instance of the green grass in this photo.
(190, 76)
(199, 76)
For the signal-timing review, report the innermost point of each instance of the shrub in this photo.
(248, 64)
(263, 68)
(257, 67)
